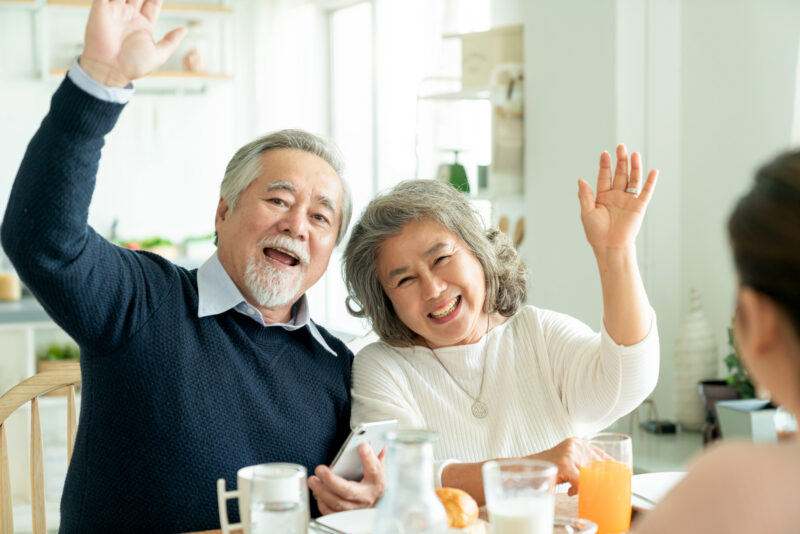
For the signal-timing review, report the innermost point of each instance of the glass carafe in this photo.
(409, 504)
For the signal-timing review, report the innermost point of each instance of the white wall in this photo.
(570, 114)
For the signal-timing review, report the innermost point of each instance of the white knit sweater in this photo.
(548, 377)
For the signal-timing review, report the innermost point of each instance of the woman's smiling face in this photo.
(435, 283)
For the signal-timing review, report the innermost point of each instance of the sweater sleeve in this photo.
(598, 380)
(97, 292)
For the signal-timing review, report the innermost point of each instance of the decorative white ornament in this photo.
(696, 358)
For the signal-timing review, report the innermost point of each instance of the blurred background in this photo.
(526, 94)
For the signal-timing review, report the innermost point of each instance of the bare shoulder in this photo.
(738, 487)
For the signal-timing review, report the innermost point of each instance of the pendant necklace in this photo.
(479, 408)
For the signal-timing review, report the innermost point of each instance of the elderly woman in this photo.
(743, 487)
(459, 353)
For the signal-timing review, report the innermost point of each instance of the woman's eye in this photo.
(403, 281)
(277, 201)
(442, 258)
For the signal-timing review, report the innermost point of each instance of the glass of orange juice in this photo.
(604, 486)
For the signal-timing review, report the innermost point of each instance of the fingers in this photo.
(635, 179)
(585, 196)
(329, 499)
(649, 186)
(335, 494)
(326, 501)
(568, 471)
(166, 46)
(151, 9)
(371, 465)
(604, 173)
(621, 172)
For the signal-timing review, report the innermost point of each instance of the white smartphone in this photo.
(347, 463)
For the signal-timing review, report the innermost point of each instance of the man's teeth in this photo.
(288, 253)
(283, 251)
(447, 311)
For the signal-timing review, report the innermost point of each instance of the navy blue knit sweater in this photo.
(170, 401)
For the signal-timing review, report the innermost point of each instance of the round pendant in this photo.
(479, 409)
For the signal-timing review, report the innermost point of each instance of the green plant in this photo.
(59, 351)
(737, 374)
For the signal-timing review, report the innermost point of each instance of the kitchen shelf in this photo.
(58, 35)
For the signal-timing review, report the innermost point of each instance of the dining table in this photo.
(566, 505)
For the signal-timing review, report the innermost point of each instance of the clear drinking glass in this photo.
(604, 486)
(409, 504)
(519, 495)
(279, 499)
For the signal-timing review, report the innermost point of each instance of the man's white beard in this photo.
(270, 286)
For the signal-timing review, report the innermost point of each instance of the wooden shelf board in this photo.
(467, 94)
(19, 5)
(170, 74)
(167, 7)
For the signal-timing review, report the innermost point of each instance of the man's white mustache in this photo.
(288, 244)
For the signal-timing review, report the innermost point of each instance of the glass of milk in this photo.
(519, 496)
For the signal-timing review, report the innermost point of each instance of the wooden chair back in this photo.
(30, 390)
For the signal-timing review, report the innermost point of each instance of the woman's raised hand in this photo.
(612, 220)
(119, 45)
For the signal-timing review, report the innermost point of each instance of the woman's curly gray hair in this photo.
(387, 214)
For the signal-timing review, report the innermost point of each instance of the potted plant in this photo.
(736, 385)
(745, 416)
(56, 356)
(737, 377)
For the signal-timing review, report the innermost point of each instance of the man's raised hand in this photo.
(119, 45)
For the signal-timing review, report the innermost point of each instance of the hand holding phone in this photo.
(347, 463)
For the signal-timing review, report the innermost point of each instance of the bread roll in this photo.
(461, 508)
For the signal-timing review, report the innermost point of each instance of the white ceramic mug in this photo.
(244, 482)
(244, 477)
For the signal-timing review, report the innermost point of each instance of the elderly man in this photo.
(187, 375)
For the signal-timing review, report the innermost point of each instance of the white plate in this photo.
(353, 522)
(653, 486)
(360, 522)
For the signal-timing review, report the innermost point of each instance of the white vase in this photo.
(695, 359)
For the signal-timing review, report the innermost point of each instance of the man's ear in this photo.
(760, 321)
(222, 211)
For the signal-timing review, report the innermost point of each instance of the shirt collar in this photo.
(217, 294)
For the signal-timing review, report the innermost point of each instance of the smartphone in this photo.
(347, 463)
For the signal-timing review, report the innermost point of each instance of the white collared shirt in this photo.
(217, 294)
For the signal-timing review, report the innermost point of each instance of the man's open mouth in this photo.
(282, 255)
